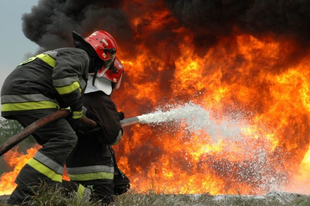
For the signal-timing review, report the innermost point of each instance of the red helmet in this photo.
(104, 45)
(114, 73)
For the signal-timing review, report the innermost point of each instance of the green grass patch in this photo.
(45, 196)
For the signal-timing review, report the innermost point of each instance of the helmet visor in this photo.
(118, 84)
(106, 66)
(101, 72)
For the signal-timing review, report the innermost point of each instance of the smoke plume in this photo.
(50, 23)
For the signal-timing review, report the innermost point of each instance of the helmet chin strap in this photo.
(98, 66)
(95, 65)
(94, 78)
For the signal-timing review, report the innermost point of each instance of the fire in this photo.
(255, 89)
(15, 160)
(255, 82)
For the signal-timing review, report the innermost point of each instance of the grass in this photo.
(152, 199)
(55, 197)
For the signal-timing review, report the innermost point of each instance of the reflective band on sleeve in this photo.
(68, 89)
(28, 106)
(47, 59)
(45, 170)
(91, 176)
(77, 114)
(64, 81)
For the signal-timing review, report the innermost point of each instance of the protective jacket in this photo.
(36, 88)
(91, 162)
(49, 80)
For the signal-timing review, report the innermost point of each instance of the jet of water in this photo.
(197, 119)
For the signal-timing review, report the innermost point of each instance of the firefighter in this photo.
(43, 84)
(92, 163)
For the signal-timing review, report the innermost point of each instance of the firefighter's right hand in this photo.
(76, 110)
(75, 118)
(76, 115)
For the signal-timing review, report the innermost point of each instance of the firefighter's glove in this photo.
(76, 115)
(75, 118)
(121, 115)
(77, 110)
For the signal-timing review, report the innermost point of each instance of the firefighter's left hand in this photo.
(121, 115)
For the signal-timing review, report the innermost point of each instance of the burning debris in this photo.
(244, 63)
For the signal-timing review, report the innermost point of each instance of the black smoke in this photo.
(51, 22)
(213, 18)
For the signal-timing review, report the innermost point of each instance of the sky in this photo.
(15, 47)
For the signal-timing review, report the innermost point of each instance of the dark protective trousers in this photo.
(58, 140)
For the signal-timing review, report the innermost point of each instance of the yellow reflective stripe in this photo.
(48, 162)
(81, 190)
(44, 57)
(77, 114)
(28, 60)
(91, 176)
(47, 59)
(68, 89)
(45, 170)
(29, 106)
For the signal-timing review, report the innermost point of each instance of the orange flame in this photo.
(260, 83)
(16, 160)
(274, 106)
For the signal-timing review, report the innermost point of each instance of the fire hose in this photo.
(27, 131)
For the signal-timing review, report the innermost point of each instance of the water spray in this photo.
(195, 118)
